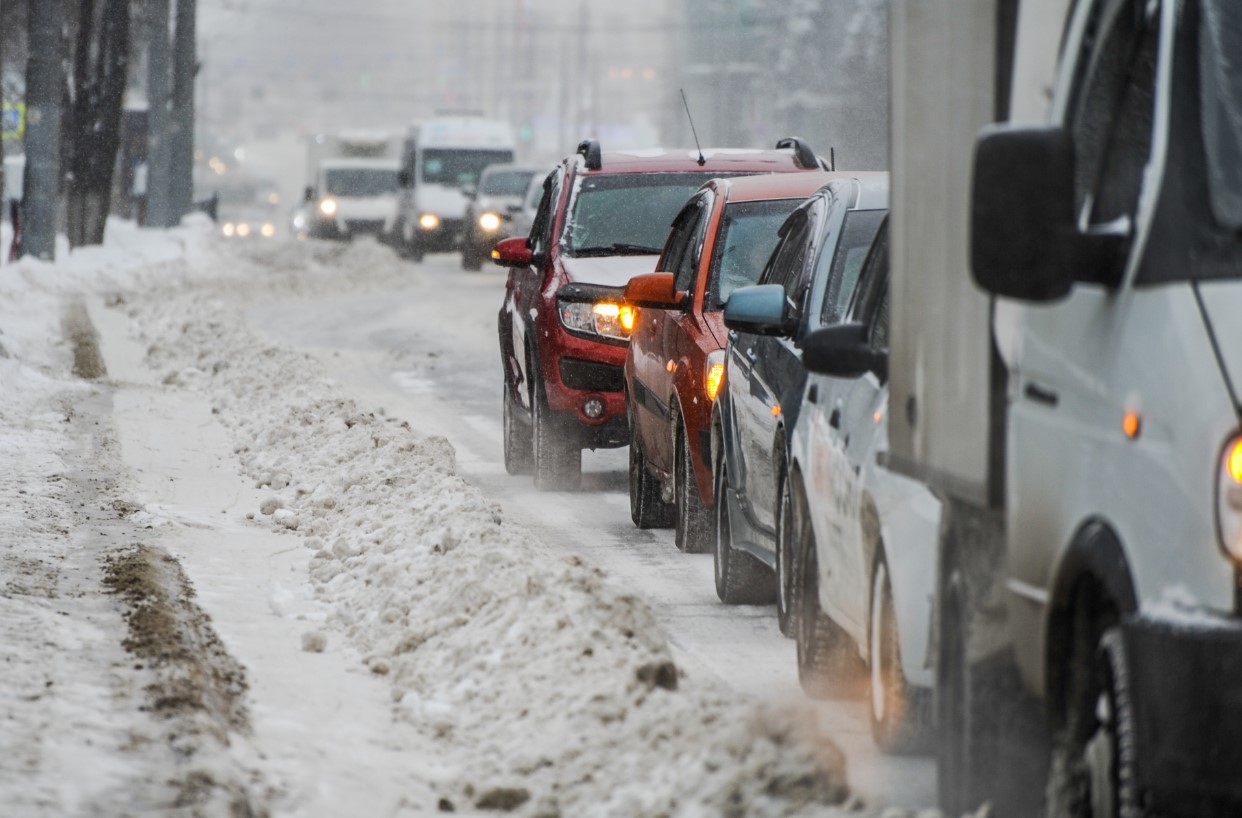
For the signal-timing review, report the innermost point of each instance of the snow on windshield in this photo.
(631, 211)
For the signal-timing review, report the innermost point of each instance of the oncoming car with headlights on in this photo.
(564, 326)
(490, 210)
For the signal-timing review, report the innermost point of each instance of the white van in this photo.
(442, 158)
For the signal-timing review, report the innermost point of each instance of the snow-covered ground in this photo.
(352, 628)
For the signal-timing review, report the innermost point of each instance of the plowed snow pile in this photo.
(547, 690)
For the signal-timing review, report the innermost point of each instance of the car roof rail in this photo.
(589, 149)
(804, 157)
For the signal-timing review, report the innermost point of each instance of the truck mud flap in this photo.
(1186, 685)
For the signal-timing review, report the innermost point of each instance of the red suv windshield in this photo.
(626, 212)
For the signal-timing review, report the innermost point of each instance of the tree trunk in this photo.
(101, 68)
(43, 89)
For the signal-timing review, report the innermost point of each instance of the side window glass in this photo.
(879, 324)
(696, 233)
(679, 239)
(1113, 107)
(790, 249)
(541, 227)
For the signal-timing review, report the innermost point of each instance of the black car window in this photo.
(789, 257)
(1112, 110)
(541, 228)
(744, 241)
(678, 239)
(687, 267)
(872, 281)
(857, 234)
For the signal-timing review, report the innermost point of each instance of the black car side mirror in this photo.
(842, 351)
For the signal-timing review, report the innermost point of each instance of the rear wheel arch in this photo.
(1093, 583)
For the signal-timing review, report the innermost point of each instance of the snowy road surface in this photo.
(428, 351)
(269, 563)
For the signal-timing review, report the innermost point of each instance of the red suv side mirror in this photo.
(654, 291)
(512, 252)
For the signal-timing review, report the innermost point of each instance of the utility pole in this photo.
(185, 66)
(159, 206)
(43, 97)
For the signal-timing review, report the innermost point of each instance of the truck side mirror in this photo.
(403, 178)
(842, 351)
(308, 195)
(1022, 231)
(758, 310)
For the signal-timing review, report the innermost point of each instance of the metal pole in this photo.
(185, 65)
(159, 208)
(43, 97)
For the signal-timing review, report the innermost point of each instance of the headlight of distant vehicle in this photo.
(243, 230)
(489, 222)
(713, 374)
(327, 207)
(604, 318)
(429, 221)
(268, 230)
(299, 221)
(228, 229)
(1229, 499)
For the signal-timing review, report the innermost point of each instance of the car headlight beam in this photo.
(328, 207)
(489, 222)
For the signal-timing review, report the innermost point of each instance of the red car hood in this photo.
(613, 271)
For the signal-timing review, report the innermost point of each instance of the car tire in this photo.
(788, 564)
(899, 712)
(558, 460)
(740, 578)
(519, 446)
(695, 522)
(828, 665)
(647, 509)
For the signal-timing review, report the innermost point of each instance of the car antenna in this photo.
(702, 158)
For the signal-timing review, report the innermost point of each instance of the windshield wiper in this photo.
(618, 249)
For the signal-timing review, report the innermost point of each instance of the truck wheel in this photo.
(647, 510)
(828, 666)
(695, 532)
(558, 460)
(519, 457)
(740, 578)
(899, 717)
(1109, 756)
(788, 572)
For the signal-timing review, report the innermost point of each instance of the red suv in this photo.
(564, 326)
(720, 241)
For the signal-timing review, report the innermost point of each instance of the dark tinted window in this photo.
(857, 234)
(360, 181)
(744, 241)
(1220, 101)
(505, 182)
(456, 167)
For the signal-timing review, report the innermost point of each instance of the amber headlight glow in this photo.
(605, 318)
(327, 207)
(1229, 499)
(489, 222)
(714, 376)
(429, 221)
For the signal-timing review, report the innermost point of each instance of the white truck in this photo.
(441, 160)
(1075, 405)
(351, 184)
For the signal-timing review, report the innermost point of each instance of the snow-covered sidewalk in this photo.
(407, 650)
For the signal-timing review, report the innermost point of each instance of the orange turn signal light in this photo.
(1233, 461)
(715, 375)
(1131, 424)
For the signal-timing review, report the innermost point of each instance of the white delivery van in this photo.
(441, 158)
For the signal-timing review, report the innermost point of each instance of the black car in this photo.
(806, 284)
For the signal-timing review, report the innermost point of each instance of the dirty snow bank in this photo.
(549, 691)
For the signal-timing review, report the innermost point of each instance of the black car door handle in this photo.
(1039, 394)
(812, 394)
(834, 420)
